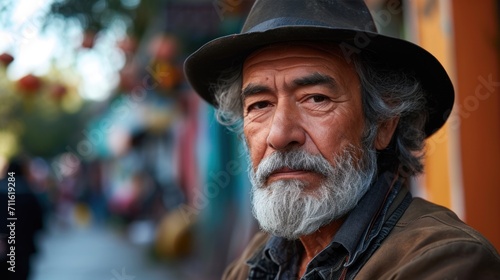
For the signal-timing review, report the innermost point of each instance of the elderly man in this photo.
(334, 117)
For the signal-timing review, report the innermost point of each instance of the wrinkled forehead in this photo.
(298, 60)
(307, 50)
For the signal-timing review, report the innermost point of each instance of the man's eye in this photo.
(318, 98)
(258, 105)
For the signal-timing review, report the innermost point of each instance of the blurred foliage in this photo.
(39, 115)
(194, 22)
(97, 15)
(43, 115)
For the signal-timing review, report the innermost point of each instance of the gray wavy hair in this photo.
(387, 92)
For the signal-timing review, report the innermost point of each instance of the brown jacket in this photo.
(428, 242)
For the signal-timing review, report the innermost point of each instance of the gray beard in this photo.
(287, 208)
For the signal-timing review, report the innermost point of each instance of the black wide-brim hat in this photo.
(347, 22)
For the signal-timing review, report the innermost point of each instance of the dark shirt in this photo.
(358, 237)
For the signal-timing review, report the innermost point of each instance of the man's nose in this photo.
(286, 127)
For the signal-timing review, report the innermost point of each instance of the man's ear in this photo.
(385, 132)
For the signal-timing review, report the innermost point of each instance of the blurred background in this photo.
(122, 172)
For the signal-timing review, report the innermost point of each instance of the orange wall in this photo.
(478, 100)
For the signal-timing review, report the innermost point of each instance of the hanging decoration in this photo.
(39, 114)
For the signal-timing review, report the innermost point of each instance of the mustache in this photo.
(295, 160)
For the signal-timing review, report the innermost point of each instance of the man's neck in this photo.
(315, 242)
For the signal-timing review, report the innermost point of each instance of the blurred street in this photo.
(95, 253)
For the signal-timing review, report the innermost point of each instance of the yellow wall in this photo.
(431, 23)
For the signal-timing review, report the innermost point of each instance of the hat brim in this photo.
(205, 66)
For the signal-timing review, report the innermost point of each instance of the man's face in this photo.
(300, 97)
(303, 124)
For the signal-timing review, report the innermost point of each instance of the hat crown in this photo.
(342, 14)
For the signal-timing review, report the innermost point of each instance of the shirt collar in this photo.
(365, 220)
(278, 256)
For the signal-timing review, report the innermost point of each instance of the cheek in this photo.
(255, 137)
(333, 134)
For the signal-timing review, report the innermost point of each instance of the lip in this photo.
(287, 173)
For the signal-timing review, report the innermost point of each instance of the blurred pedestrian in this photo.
(19, 239)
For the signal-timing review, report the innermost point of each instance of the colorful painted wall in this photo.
(463, 159)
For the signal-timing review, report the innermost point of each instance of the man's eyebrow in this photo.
(309, 80)
(315, 79)
(253, 89)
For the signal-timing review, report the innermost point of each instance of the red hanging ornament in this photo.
(164, 48)
(58, 91)
(29, 84)
(128, 45)
(6, 59)
(89, 37)
(128, 77)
